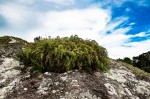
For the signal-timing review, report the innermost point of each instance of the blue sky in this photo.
(121, 26)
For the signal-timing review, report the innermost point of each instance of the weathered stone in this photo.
(119, 83)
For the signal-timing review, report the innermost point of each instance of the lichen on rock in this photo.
(120, 82)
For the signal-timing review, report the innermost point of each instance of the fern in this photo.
(64, 54)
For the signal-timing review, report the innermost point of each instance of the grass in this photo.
(4, 40)
(140, 73)
(11, 49)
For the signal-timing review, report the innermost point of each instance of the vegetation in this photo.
(140, 73)
(142, 61)
(10, 49)
(4, 40)
(126, 60)
(63, 54)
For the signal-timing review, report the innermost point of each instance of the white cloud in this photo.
(114, 24)
(61, 2)
(89, 22)
(119, 46)
(54, 2)
(136, 48)
(117, 42)
(15, 15)
(132, 23)
(86, 23)
(119, 3)
(116, 38)
(26, 2)
(141, 34)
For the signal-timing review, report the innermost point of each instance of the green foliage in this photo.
(9, 48)
(142, 61)
(6, 39)
(63, 54)
(140, 73)
(126, 60)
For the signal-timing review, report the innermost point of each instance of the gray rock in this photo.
(119, 83)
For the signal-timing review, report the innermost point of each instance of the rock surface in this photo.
(9, 75)
(119, 83)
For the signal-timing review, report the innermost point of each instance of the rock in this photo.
(74, 83)
(128, 92)
(42, 89)
(25, 89)
(47, 73)
(13, 41)
(27, 76)
(54, 91)
(56, 83)
(9, 75)
(64, 78)
(111, 89)
(119, 83)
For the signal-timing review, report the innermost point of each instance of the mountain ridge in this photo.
(122, 81)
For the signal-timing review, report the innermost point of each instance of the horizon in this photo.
(121, 26)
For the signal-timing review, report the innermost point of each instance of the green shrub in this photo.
(126, 60)
(139, 72)
(142, 61)
(4, 40)
(63, 54)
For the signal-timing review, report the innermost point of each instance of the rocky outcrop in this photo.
(119, 83)
(9, 75)
(11, 48)
(123, 83)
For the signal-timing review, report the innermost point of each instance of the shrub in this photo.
(139, 73)
(126, 60)
(4, 40)
(63, 54)
(142, 61)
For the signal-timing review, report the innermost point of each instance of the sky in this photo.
(121, 26)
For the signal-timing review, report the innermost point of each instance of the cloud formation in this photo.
(94, 21)
(84, 22)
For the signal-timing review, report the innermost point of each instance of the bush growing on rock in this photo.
(10, 46)
(63, 54)
(4, 40)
